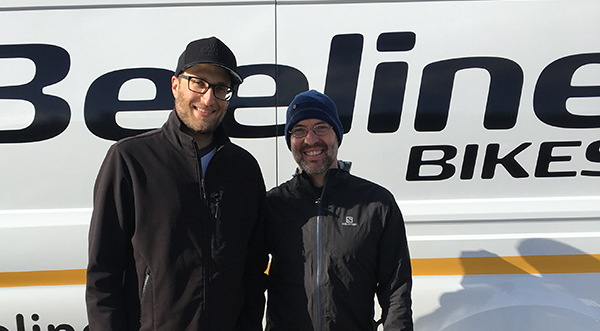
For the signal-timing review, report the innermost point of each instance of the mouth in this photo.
(314, 153)
(203, 111)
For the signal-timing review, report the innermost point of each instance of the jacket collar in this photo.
(342, 165)
(185, 143)
(334, 176)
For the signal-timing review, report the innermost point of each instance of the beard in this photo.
(185, 113)
(311, 168)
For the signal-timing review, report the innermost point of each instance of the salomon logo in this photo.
(349, 221)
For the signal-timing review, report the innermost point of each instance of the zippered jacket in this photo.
(171, 249)
(332, 251)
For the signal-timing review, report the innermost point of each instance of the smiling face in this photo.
(315, 154)
(201, 113)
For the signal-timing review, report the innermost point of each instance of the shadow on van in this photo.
(518, 300)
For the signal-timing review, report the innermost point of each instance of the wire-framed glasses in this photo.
(300, 132)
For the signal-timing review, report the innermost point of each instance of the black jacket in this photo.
(332, 251)
(165, 251)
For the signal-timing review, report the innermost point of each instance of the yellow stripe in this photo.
(505, 265)
(42, 278)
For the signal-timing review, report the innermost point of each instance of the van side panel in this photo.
(482, 118)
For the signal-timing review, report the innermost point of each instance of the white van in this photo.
(482, 117)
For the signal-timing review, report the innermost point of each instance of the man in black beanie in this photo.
(336, 240)
(176, 239)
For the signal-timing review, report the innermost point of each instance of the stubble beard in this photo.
(316, 169)
(201, 128)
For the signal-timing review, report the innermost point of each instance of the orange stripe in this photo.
(496, 265)
(506, 265)
(42, 278)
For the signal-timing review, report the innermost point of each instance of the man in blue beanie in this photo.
(336, 240)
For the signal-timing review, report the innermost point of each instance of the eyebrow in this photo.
(206, 79)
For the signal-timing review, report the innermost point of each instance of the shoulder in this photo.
(237, 155)
(356, 182)
(133, 143)
(285, 190)
(128, 152)
(368, 188)
(359, 181)
(237, 150)
(279, 190)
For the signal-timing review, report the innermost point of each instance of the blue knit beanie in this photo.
(313, 104)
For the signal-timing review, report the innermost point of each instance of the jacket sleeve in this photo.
(108, 246)
(394, 274)
(255, 278)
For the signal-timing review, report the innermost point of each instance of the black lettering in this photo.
(592, 154)
(35, 318)
(342, 74)
(61, 327)
(288, 81)
(387, 97)
(52, 114)
(469, 159)
(545, 157)
(396, 41)
(508, 162)
(415, 161)
(436, 89)
(553, 88)
(102, 100)
(20, 322)
(390, 84)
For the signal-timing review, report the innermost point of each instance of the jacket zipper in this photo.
(206, 251)
(207, 246)
(217, 197)
(143, 295)
(319, 203)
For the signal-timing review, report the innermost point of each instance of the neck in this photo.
(318, 180)
(202, 139)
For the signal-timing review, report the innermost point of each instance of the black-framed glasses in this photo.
(300, 132)
(199, 85)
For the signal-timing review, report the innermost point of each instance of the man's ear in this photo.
(174, 85)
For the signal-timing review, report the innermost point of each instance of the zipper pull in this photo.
(217, 197)
(203, 189)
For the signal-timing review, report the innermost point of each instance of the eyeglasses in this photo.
(199, 85)
(300, 132)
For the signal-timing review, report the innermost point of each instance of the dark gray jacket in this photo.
(332, 251)
(169, 250)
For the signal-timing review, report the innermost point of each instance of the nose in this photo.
(209, 97)
(311, 137)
